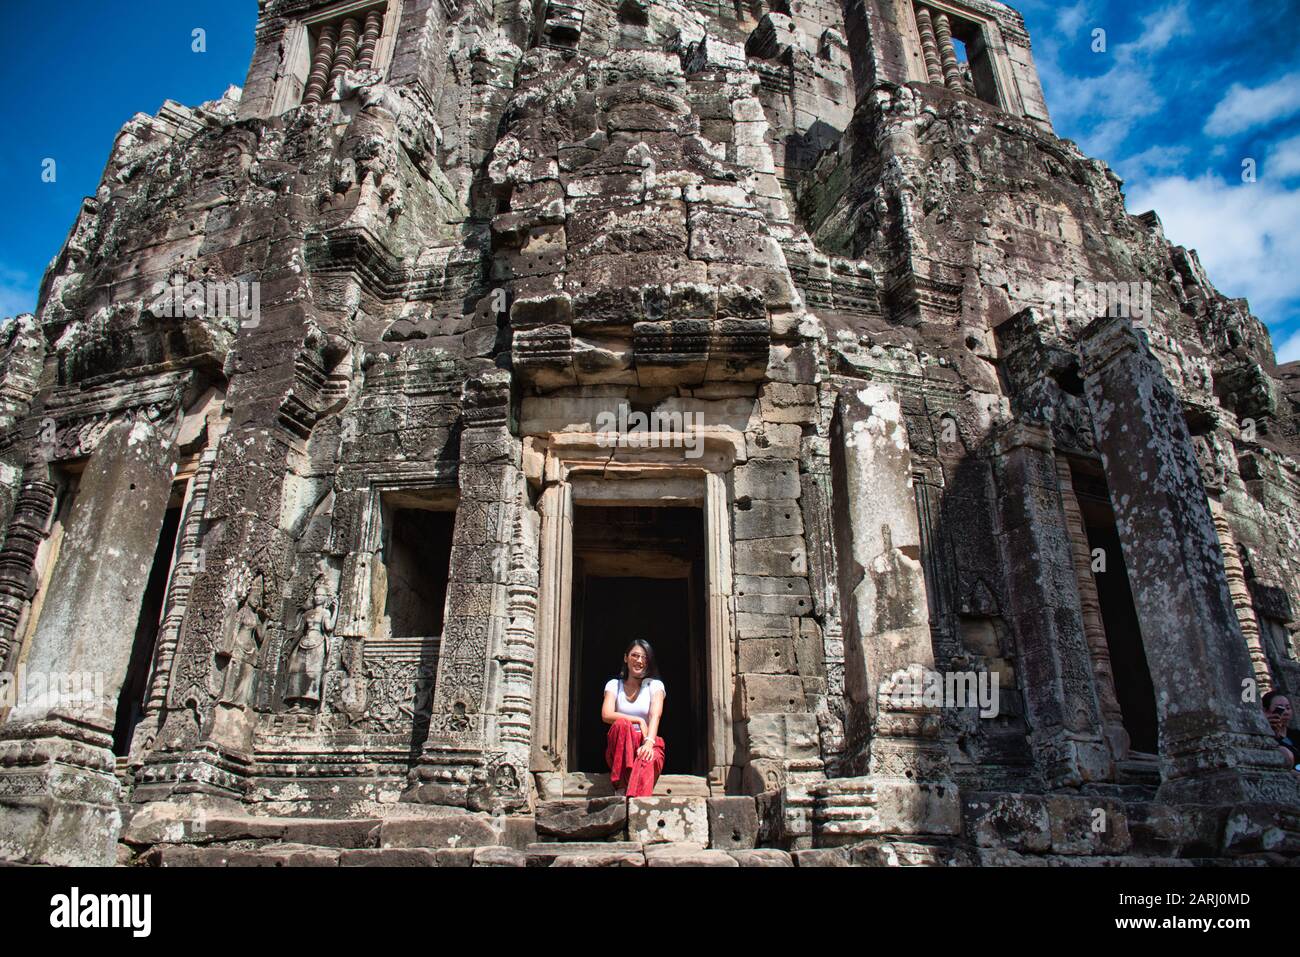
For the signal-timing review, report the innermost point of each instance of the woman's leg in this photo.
(620, 750)
(644, 774)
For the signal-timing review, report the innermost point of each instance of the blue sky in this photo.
(1183, 93)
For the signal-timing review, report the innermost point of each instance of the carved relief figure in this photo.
(239, 671)
(307, 660)
(894, 579)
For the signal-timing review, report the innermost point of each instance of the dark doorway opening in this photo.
(130, 701)
(418, 560)
(639, 573)
(1133, 685)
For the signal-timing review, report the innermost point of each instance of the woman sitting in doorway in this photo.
(634, 704)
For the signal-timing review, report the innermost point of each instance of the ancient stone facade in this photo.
(369, 411)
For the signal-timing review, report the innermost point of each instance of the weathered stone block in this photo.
(583, 820)
(601, 859)
(822, 857)
(452, 829)
(544, 854)
(656, 820)
(733, 822)
(782, 737)
(770, 693)
(766, 656)
(1087, 825)
(1020, 822)
(389, 857)
(767, 480)
(768, 519)
(689, 857)
(778, 557)
(498, 857)
(762, 857)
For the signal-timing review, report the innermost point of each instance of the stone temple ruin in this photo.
(308, 471)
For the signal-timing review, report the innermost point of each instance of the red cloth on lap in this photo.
(624, 766)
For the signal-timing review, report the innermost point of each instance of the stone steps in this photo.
(580, 784)
(570, 832)
(575, 854)
(718, 823)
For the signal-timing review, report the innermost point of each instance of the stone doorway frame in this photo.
(575, 469)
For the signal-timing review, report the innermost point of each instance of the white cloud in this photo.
(1243, 108)
(1161, 28)
(1245, 235)
(1284, 159)
(1289, 351)
(1110, 104)
(1156, 159)
(1070, 19)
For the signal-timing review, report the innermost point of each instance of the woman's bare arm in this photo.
(647, 750)
(656, 712)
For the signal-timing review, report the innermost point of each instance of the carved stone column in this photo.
(1241, 598)
(1214, 745)
(555, 594)
(1060, 691)
(346, 54)
(1094, 630)
(722, 643)
(516, 698)
(27, 530)
(929, 45)
(905, 786)
(92, 606)
(947, 52)
(188, 563)
(370, 40)
(463, 763)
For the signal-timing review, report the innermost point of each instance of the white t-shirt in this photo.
(640, 708)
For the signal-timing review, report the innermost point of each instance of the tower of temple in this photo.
(370, 411)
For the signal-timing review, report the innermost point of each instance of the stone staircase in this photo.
(684, 825)
(586, 825)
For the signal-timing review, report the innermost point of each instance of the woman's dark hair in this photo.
(651, 665)
(1267, 700)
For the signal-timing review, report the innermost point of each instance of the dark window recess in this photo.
(130, 702)
(418, 559)
(1128, 660)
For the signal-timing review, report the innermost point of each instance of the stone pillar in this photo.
(28, 528)
(893, 738)
(1241, 598)
(463, 763)
(555, 595)
(947, 52)
(929, 45)
(346, 54)
(1214, 746)
(188, 564)
(1094, 629)
(370, 40)
(321, 63)
(58, 790)
(91, 609)
(722, 639)
(1055, 664)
